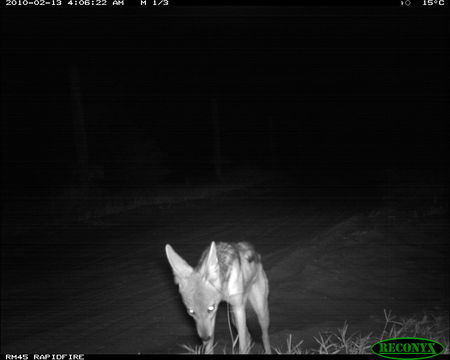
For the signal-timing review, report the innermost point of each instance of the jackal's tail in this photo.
(249, 252)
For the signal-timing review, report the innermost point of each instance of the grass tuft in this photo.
(339, 341)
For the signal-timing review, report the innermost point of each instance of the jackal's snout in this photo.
(205, 330)
(206, 338)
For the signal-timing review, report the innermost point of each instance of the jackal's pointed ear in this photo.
(181, 269)
(211, 265)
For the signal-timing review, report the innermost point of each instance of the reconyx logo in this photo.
(407, 348)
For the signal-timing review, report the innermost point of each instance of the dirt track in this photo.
(106, 287)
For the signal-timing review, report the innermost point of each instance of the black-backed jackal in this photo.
(230, 272)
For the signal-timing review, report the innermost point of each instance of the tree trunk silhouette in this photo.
(217, 145)
(80, 138)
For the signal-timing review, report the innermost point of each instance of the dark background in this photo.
(346, 92)
(319, 134)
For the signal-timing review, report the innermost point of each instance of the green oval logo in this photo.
(407, 348)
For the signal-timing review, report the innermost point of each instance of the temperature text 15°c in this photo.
(433, 2)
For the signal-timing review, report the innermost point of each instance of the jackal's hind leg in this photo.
(258, 297)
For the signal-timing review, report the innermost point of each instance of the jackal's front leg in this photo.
(244, 341)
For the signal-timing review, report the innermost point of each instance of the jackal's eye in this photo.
(211, 308)
(191, 311)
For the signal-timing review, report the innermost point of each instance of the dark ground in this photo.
(106, 286)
